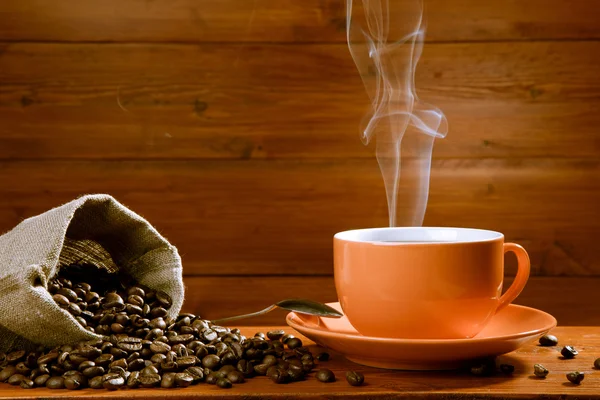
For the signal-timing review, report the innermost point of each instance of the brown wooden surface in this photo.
(572, 301)
(278, 217)
(385, 384)
(142, 101)
(283, 20)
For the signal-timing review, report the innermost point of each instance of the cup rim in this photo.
(350, 236)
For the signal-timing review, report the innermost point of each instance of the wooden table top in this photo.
(397, 384)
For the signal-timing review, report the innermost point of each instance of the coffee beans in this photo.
(144, 347)
(569, 352)
(548, 340)
(575, 377)
(540, 371)
(355, 378)
(596, 364)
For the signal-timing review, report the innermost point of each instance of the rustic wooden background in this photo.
(232, 125)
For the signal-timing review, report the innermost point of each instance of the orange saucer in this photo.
(507, 331)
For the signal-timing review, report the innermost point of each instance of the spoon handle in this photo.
(254, 314)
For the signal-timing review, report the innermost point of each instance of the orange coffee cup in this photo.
(423, 283)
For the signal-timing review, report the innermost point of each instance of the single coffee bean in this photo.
(148, 381)
(55, 382)
(122, 363)
(133, 310)
(196, 372)
(92, 372)
(16, 379)
(135, 300)
(96, 382)
(136, 290)
(104, 360)
(130, 344)
(507, 368)
(113, 381)
(279, 376)
(118, 353)
(183, 379)
(41, 380)
(137, 364)
(149, 370)
(7, 372)
(294, 343)
(323, 356)
(235, 377)
(569, 352)
(307, 365)
(211, 378)
(46, 358)
(86, 364)
(92, 297)
(133, 380)
(325, 375)
(224, 383)
(183, 339)
(209, 335)
(89, 351)
(548, 340)
(245, 368)
(276, 334)
(15, 356)
(68, 293)
(169, 366)
(596, 364)
(261, 369)
(180, 350)
(575, 377)
(73, 382)
(158, 312)
(260, 335)
(164, 299)
(355, 378)
(168, 380)
(295, 373)
(286, 337)
(22, 368)
(74, 309)
(160, 347)
(211, 361)
(540, 371)
(122, 318)
(269, 360)
(27, 383)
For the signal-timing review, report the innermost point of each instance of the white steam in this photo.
(385, 38)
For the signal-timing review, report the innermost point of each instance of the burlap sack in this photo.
(87, 229)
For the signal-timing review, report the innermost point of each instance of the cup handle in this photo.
(522, 275)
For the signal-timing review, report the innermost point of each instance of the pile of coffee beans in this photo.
(143, 347)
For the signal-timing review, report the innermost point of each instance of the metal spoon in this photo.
(302, 306)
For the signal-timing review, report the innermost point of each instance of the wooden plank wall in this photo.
(232, 125)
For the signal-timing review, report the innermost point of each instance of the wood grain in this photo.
(571, 300)
(279, 216)
(283, 20)
(386, 384)
(126, 101)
